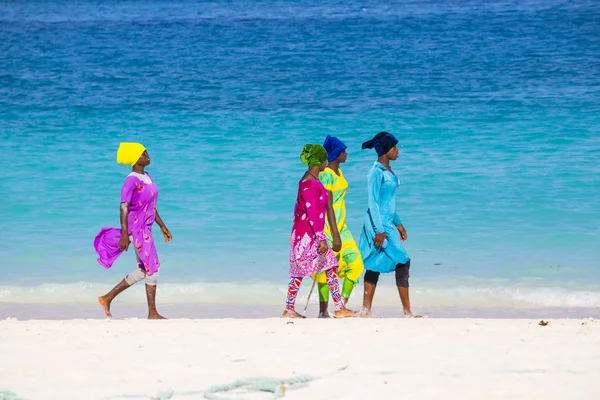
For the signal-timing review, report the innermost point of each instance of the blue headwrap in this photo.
(334, 147)
(383, 142)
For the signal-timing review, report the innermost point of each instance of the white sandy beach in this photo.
(383, 358)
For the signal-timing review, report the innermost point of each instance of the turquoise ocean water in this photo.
(496, 106)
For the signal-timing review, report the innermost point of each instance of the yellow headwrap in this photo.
(129, 153)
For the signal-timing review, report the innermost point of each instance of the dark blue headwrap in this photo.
(382, 142)
(334, 147)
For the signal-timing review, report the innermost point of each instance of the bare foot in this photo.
(409, 314)
(105, 306)
(291, 314)
(344, 313)
(155, 315)
(367, 313)
(324, 314)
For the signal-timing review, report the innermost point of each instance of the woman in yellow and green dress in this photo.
(350, 262)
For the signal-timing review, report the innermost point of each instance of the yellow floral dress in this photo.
(350, 262)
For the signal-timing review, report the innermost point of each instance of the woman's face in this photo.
(144, 159)
(343, 157)
(393, 153)
(323, 166)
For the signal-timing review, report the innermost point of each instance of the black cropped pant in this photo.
(402, 274)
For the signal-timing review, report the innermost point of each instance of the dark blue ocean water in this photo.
(496, 106)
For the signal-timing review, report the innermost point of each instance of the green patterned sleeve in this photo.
(326, 178)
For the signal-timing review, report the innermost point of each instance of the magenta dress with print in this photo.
(310, 213)
(142, 197)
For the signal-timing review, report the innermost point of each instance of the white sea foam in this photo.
(445, 295)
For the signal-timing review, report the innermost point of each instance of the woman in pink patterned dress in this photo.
(309, 249)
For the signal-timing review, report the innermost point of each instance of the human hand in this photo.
(337, 243)
(402, 231)
(379, 238)
(166, 233)
(323, 247)
(124, 242)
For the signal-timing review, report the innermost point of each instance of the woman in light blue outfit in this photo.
(382, 235)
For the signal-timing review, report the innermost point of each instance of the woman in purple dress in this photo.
(309, 249)
(138, 213)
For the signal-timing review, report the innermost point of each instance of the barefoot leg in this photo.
(323, 309)
(109, 297)
(368, 295)
(151, 295)
(405, 299)
(402, 276)
(323, 300)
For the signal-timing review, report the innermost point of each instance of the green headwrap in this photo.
(313, 155)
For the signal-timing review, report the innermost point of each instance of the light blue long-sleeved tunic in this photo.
(381, 217)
